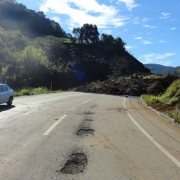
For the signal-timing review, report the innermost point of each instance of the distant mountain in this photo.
(160, 69)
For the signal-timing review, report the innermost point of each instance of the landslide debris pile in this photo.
(117, 73)
(100, 62)
(129, 85)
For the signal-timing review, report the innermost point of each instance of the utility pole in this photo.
(51, 86)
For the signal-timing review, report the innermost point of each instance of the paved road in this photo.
(79, 136)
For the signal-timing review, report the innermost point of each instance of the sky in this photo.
(150, 29)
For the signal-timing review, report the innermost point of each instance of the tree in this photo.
(53, 47)
(88, 33)
(115, 44)
(107, 38)
(77, 33)
(11, 43)
(120, 42)
(94, 34)
(34, 66)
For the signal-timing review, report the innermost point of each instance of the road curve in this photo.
(82, 136)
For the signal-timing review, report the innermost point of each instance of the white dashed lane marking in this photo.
(54, 125)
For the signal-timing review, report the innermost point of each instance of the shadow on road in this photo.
(6, 108)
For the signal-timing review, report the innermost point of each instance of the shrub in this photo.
(173, 100)
(150, 99)
(40, 90)
(156, 99)
(35, 91)
(24, 92)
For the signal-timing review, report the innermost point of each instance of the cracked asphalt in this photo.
(120, 138)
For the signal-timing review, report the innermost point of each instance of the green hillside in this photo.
(160, 69)
(37, 52)
(15, 16)
(168, 102)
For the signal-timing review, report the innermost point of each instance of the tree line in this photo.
(88, 33)
(33, 49)
(37, 62)
(27, 62)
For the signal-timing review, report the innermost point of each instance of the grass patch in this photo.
(25, 92)
(34, 91)
(175, 114)
(170, 101)
(150, 99)
(172, 109)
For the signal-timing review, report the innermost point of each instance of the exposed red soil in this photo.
(163, 107)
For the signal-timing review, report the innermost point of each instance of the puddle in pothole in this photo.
(75, 164)
(85, 132)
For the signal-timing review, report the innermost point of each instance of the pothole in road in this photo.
(75, 164)
(88, 112)
(88, 120)
(94, 106)
(121, 110)
(85, 131)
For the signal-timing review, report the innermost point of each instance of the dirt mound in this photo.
(134, 85)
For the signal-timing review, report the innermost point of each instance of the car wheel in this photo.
(9, 103)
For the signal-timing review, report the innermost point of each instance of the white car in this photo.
(6, 94)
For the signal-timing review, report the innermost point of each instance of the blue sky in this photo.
(151, 29)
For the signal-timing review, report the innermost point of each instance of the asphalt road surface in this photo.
(81, 136)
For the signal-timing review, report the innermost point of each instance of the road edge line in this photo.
(171, 157)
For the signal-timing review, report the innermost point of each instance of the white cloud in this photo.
(156, 58)
(161, 41)
(146, 42)
(138, 38)
(165, 15)
(173, 28)
(149, 26)
(57, 19)
(130, 4)
(146, 19)
(80, 12)
(107, 31)
(130, 47)
(172, 20)
(136, 20)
